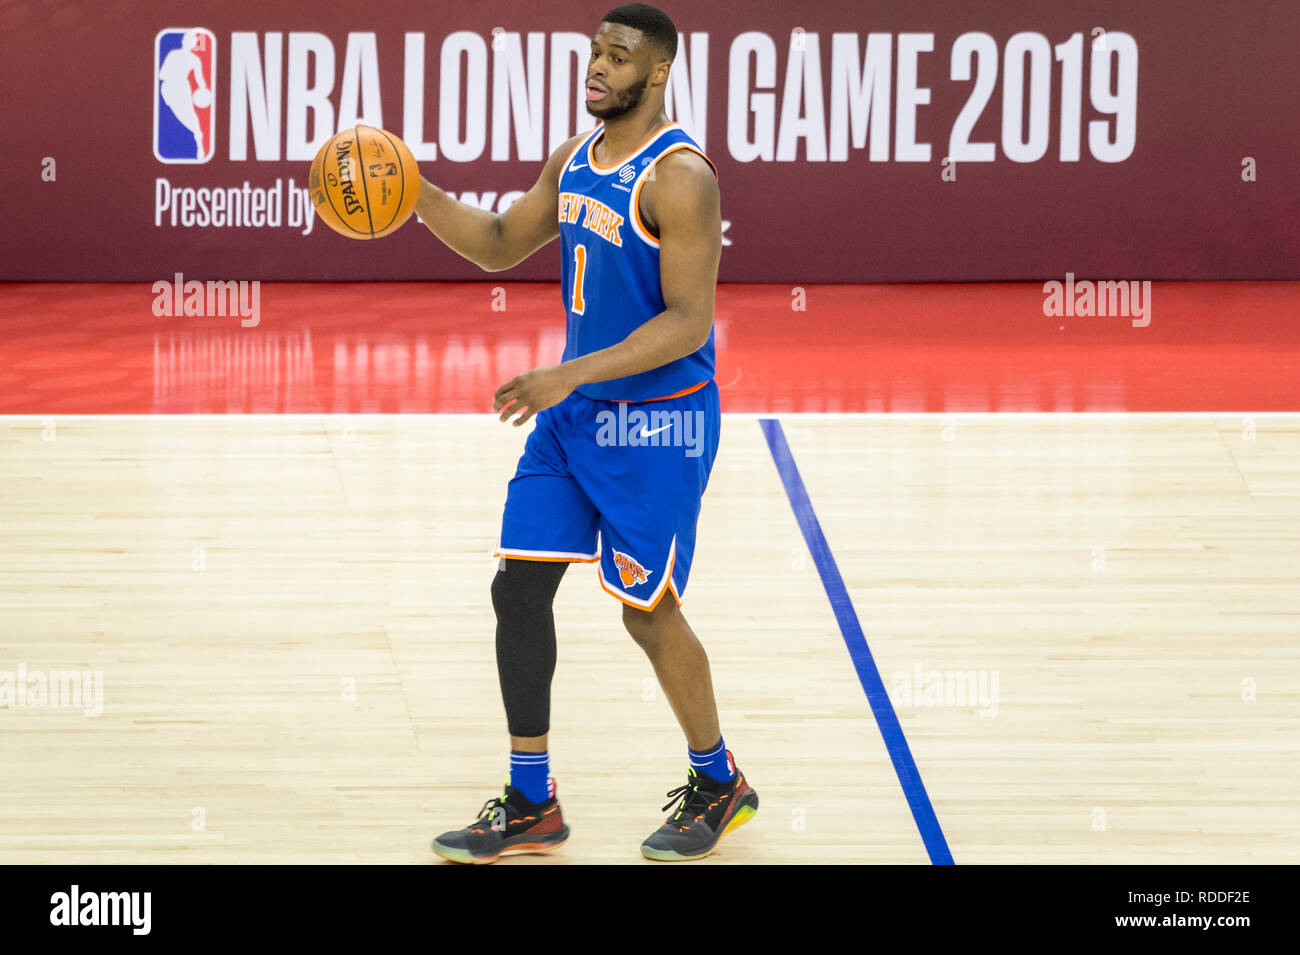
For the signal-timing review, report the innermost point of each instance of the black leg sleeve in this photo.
(522, 595)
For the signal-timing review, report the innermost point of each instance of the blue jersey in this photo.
(610, 265)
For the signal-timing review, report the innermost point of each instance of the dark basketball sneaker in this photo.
(508, 824)
(708, 810)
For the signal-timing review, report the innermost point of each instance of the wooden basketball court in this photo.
(1087, 625)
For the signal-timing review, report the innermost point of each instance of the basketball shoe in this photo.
(706, 811)
(507, 824)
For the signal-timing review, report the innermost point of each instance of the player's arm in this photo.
(684, 205)
(498, 240)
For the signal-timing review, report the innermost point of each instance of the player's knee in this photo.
(526, 586)
(502, 593)
(640, 626)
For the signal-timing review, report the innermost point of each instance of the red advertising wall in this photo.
(898, 140)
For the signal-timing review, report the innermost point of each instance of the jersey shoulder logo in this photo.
(627, 173)
(184, 113)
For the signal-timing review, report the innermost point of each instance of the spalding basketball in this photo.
(364, 183)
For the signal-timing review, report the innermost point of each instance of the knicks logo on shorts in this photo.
(184, 111)
(630, 572)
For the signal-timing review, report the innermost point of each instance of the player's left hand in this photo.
(533, 391)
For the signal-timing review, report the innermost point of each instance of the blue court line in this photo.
(856, 641)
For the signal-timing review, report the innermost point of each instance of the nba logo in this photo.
(184, 68)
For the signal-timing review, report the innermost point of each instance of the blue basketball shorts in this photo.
(619, 484)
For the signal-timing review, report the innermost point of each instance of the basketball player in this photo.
(626, 431)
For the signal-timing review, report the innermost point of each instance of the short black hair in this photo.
(656, 25)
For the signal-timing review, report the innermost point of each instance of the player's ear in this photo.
(659, 75)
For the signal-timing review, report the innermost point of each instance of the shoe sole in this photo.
(742, 816)
(465, 857)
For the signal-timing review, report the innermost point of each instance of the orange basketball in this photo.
(364, 183)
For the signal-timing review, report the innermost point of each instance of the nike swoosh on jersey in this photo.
(573, 168)
(645, 434)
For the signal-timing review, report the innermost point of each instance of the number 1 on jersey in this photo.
(579, 272)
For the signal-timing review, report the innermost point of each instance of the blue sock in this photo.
(714, 762)
(530, 773)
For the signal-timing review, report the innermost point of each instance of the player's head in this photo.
(631, 53)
